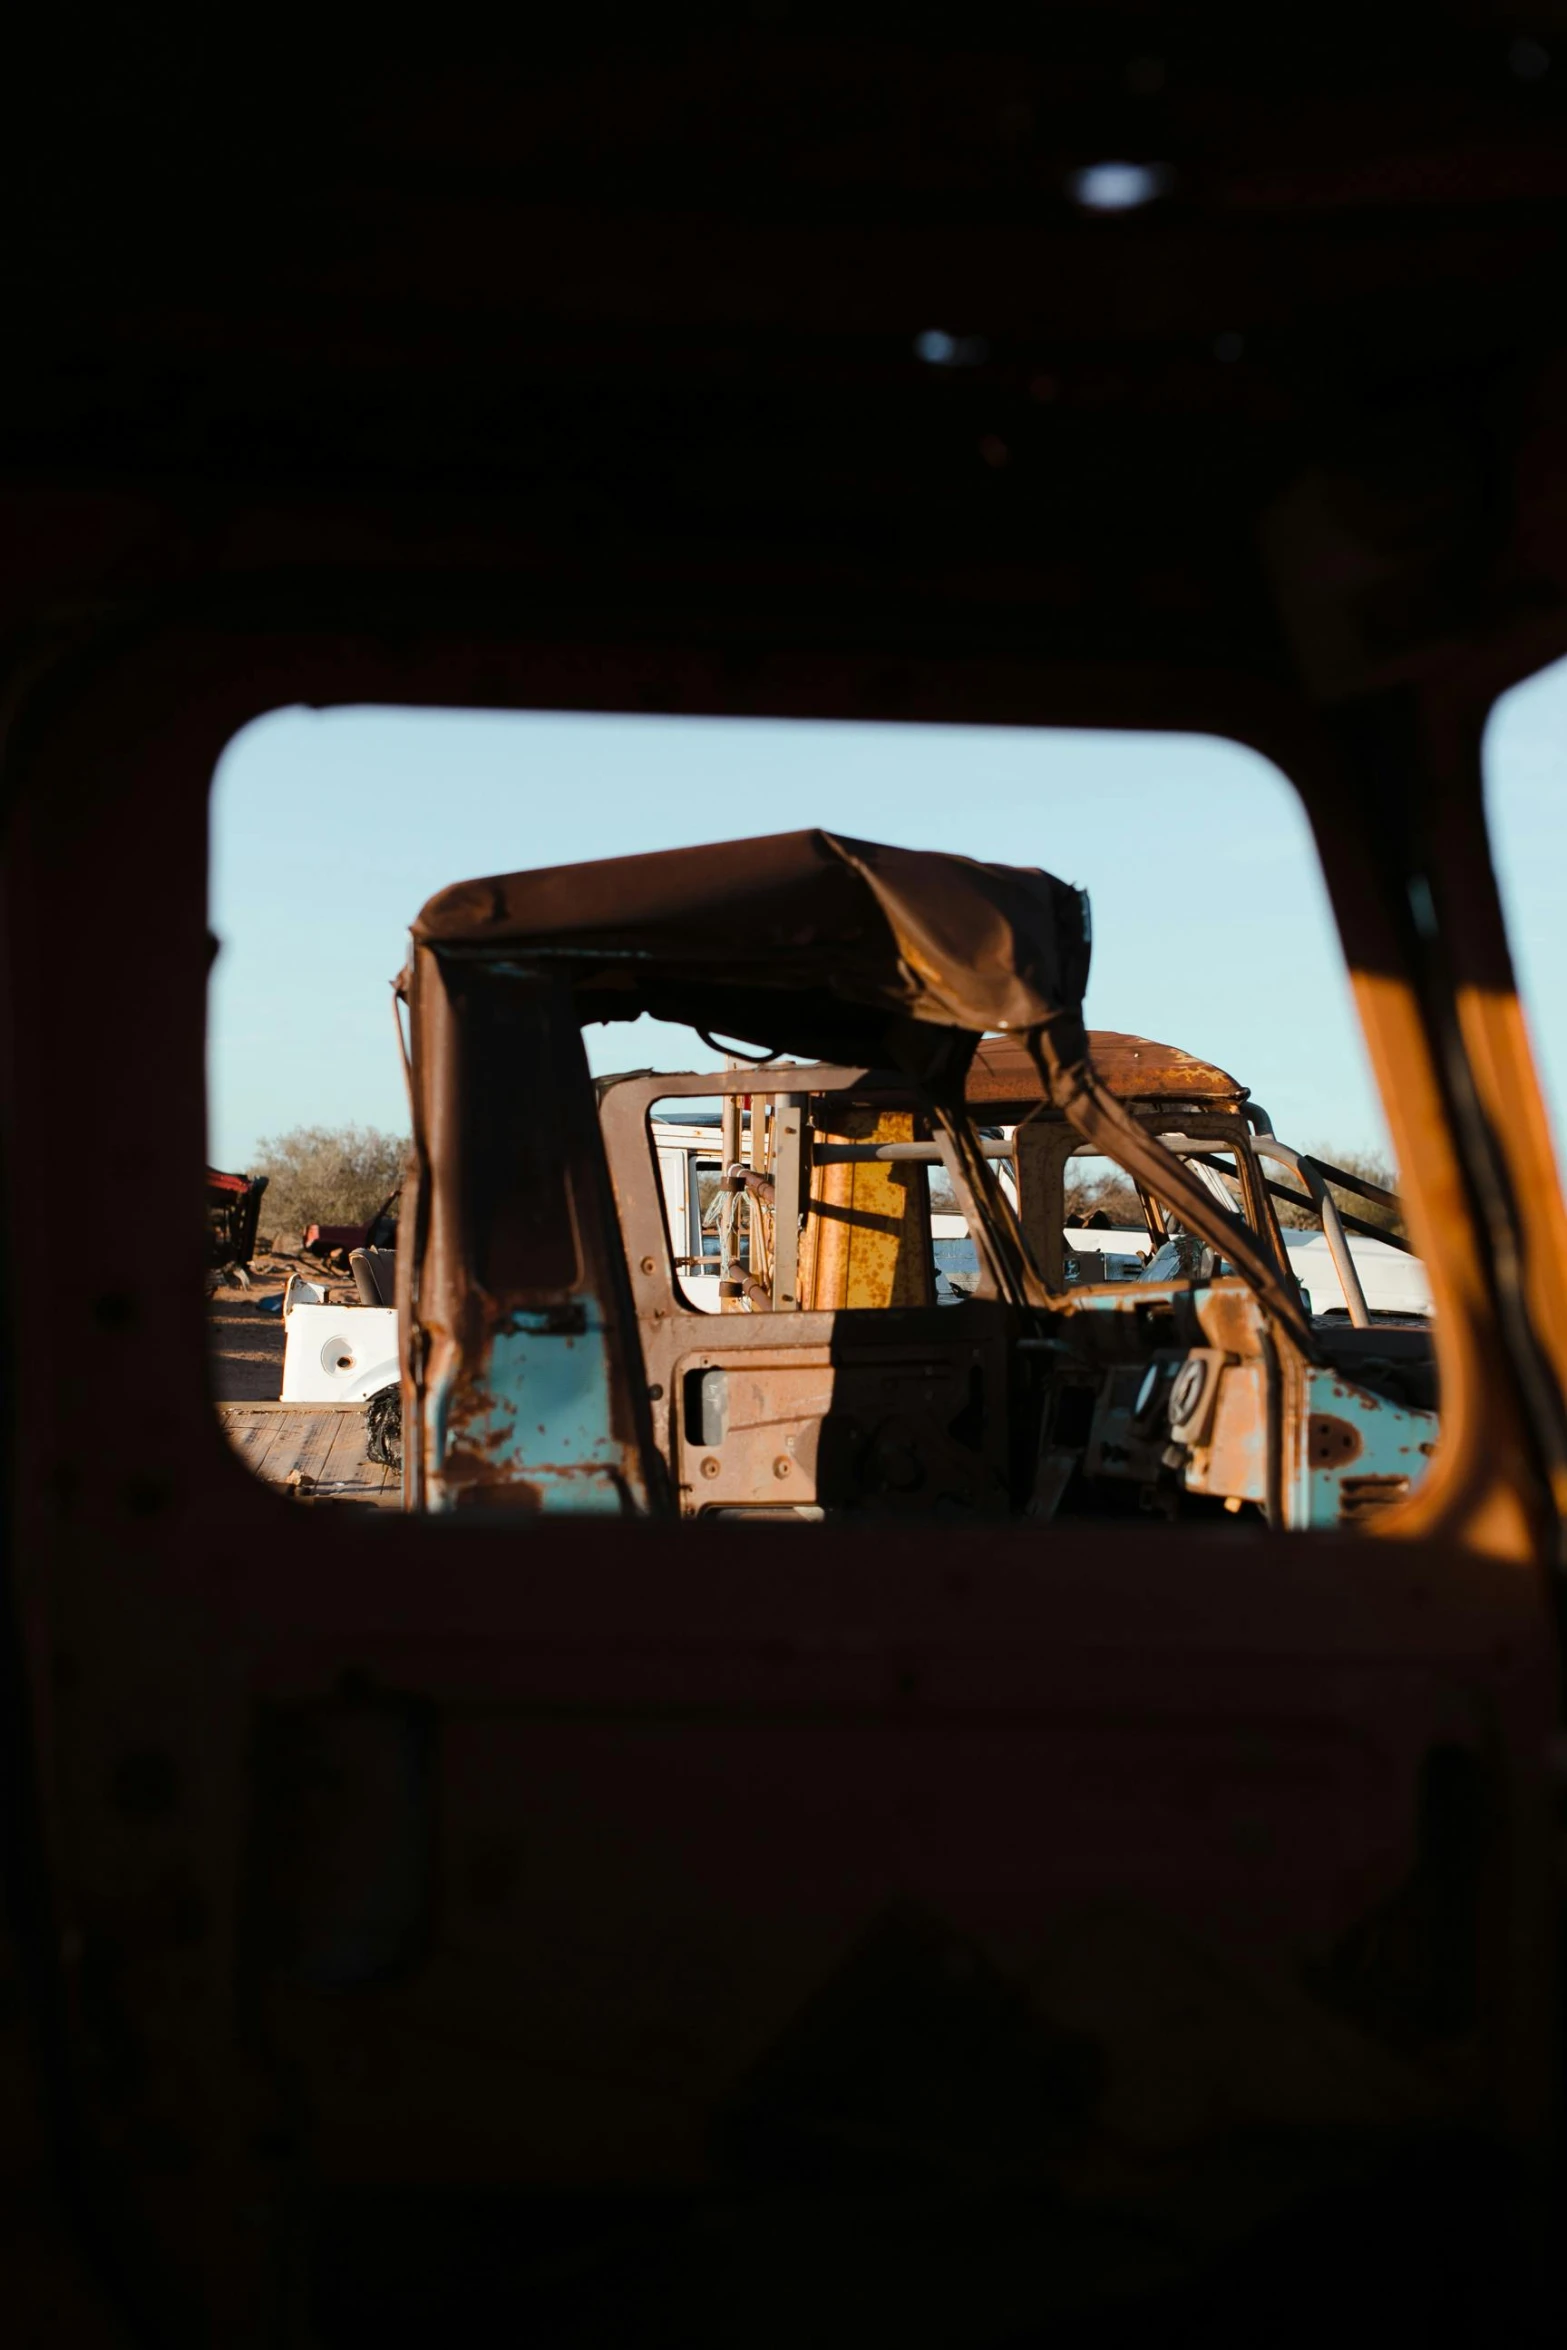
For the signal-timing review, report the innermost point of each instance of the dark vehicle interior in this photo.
(586, 1930)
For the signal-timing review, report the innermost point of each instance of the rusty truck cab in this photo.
(554, 1361)
(538, 1374)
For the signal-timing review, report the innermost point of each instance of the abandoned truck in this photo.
(552, 1362)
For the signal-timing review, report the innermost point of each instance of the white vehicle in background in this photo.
(691, 1167)
(1092, 1255)
(1393, 1282)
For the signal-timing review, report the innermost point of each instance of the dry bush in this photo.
(1368, 1164)
(326, 1175)
(1112, 1192)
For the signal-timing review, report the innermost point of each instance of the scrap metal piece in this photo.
(233, 1213)
(1060, 1047)
(1135, 1069)
(384, 1425)
(866, 1237)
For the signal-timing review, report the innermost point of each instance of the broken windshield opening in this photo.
(579, 1293)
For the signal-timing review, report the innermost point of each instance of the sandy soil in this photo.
(245, 1346)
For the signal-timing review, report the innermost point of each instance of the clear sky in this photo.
(330, 829)
(1526, 770)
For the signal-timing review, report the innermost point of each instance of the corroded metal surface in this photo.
(808, 940)
(526, 1375)
(1133, 1067)
(895, 1411)
(1173, 1389)
(866, 1239)
(523, 1389)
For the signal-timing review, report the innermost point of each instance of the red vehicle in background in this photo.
(233, 1211)
(335, 1243)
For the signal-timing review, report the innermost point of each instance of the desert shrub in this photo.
(1110, 1191)
(326, 1175)
(1368, 1164)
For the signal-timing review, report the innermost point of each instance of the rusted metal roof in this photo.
(820, 945)
(806, 941)
(1133, 1067)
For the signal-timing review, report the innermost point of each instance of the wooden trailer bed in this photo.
(313, 1451)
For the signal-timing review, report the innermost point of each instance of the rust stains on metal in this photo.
(1134, 1069)
(899, 960)
(1331, 1442)
(866, 1238)
(1362, 1497)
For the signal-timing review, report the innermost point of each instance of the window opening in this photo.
(930, 1306)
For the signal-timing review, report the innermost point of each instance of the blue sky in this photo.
(331, 828)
